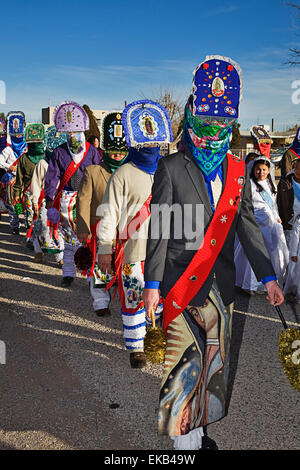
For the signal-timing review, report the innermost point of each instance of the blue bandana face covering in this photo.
(208, 140)
(18, 145)
(145, 159)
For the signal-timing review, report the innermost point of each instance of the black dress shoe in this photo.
(102, 312)
(67, 281)
(208, 443)
(137, 360)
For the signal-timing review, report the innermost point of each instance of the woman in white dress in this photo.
(292, 285)
(268, 220)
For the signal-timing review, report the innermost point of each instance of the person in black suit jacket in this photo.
(193, 391)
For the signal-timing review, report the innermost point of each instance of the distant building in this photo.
(99, 113)
(47, 116)
(279, 139)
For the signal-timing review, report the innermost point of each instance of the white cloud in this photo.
(223, 10)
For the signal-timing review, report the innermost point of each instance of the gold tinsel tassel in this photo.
(155, 342)
(289, 355)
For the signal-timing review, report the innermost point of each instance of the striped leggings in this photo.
(132, 306)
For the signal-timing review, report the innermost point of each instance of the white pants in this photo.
(101, 298)
(190, 441)
(69, 268)
(36, 245)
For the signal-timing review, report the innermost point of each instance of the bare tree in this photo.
(295, 56)
(94, 129)
(236, 136)
(294, 52)
(173, 105)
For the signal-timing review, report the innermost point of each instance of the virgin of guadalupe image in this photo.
(148, 126)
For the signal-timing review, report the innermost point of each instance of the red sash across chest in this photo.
(134, 225)
(295, 153)
(68, 175)
(191, 281)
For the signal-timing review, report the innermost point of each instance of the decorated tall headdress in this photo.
(262, 140)
(2, 127)
(296, 142)
(146, 122)
(112, 137)
(217, 88)
(15, 122)
(53, 138)
(70, 117)
(35, 133)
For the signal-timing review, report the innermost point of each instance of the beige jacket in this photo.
(90, 195)
(126, 192)
(38, 180)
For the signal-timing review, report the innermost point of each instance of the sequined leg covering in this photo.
(67, 229)
(69, 268)
(14, 220)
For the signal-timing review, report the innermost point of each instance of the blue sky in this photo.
(102, 53)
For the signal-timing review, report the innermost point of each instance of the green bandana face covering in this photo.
(111, 162)
(208, 140)
(36, 151)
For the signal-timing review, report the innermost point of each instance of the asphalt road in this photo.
(66, 383)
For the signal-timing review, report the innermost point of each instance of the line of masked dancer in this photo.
(56, 181)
